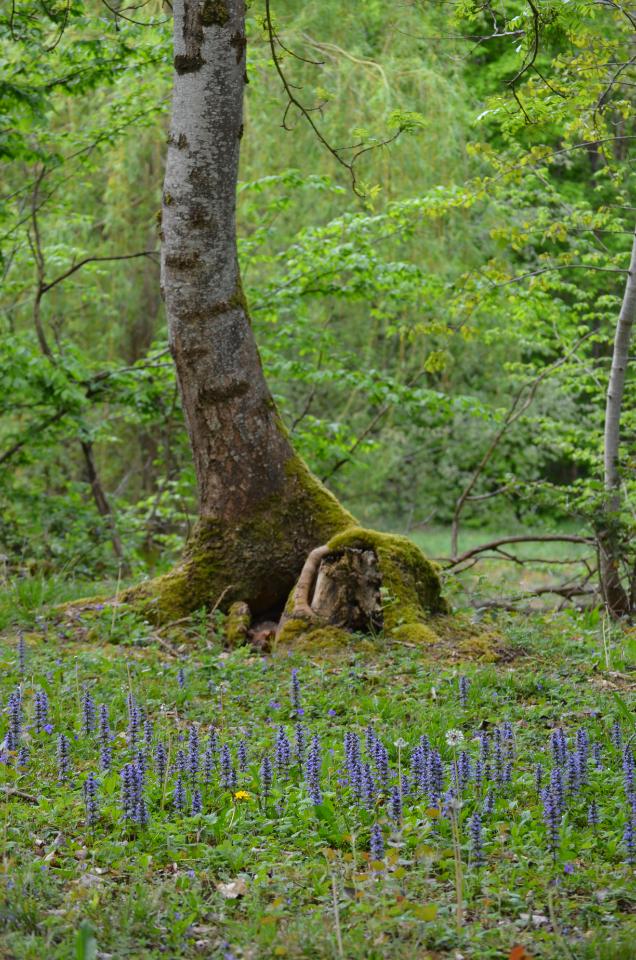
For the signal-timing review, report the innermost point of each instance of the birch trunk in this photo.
(615, 595)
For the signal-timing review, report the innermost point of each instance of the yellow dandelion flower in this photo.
(241, 795)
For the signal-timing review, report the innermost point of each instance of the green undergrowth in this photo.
(250, 878)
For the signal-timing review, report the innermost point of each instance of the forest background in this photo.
(436, 324)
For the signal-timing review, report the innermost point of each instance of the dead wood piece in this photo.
(347, 591)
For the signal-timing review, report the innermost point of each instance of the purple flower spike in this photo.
(193, 753)
(104, 736)
(369, 792)
(395, 805)
(242, 757)
(552, 819)
(476, 839)
(209, 762)
(559, 746)
(63, 758)
(266, 777)
(616, 735)
(282, 752)
(376, 843)
(227, 771)
(313, 772)
(14, 732)
(593, 816)
(41, 711)
(88, 713)
(295, 693)
(90, 799)
(179, 795)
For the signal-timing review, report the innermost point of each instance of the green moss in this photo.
(326, 638)
(256, 561)
(214, 13)
(292, 629)
(485, 648)
(412, 593)
(417, 633)
(312, 637)
(238, 298)
(237, 624)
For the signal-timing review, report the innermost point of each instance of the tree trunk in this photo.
(616, 597)
(261, 510)
(239, 448)
(103, 506)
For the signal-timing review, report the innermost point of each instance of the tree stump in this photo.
(347, 591)
(364, 581)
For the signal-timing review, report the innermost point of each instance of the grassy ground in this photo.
(285, 875)
(500, 574)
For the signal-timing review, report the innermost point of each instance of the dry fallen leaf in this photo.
(519, 953)
(232, 889)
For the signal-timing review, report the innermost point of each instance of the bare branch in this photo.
(82, 263)
(528, 62)
(521, 538)
(306, 112)
(558, 266)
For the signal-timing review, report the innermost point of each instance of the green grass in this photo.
(150, 892)
(21, 598)
(496, 576)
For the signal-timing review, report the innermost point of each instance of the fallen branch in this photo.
(12, 792)
(566, 592)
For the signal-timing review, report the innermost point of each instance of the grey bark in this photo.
(616, 597)
(238, 445)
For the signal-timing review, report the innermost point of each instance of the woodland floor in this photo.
(287, 878)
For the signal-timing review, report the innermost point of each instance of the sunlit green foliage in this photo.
(396, 328)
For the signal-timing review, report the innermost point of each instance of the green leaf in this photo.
(86, 948)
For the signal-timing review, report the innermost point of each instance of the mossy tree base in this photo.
(257, 562)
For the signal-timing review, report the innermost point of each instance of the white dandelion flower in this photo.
(454, 738)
